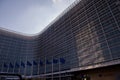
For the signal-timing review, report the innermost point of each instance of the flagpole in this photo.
(32, 68)
(52, 67)
(25, 66)
(14, 66)
(38, 66)
(8, 68)
(2, 67)
(19, 66)
(45, 66)
(59, 70)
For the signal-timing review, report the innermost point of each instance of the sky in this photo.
(30, 16)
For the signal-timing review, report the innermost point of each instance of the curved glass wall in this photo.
(87, 34)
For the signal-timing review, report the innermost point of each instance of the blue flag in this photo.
(55, 61)
(62, 60)
(5, 65)
(34, 63)
(17, 65)
(48, 62)
(22, 64)
(10, 65)
(29, 64)
(41, 63)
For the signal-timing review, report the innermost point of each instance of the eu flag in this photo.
(22, 64)
(34, 63)
(5, 65)
(48, 62)
(62, 60)
(41, 63)
(55, 61)
(11, 65)
(29, 64)
(17, 65)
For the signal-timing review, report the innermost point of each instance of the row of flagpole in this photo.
(38, 63)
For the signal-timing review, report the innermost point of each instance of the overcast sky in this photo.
(30, 16)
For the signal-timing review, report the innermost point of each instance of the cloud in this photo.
(57, 1)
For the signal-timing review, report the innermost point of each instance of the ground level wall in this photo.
(103, 73)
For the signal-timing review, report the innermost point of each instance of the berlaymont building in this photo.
(83, 43)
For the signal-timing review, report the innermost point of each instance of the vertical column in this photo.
(14, 66)
(2, 65)
(45, 67)
(52, 67)
(19, 66)
(59, 69)
(38, 66)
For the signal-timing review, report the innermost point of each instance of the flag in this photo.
(22, 64)
(10, 65)
(41, 63)
(5, 65)
(17, 65)
(48, 62)
(34, 63)
(29, 64)
(62, 60)
(55, 61)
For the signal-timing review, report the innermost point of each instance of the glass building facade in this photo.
(85, 36)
